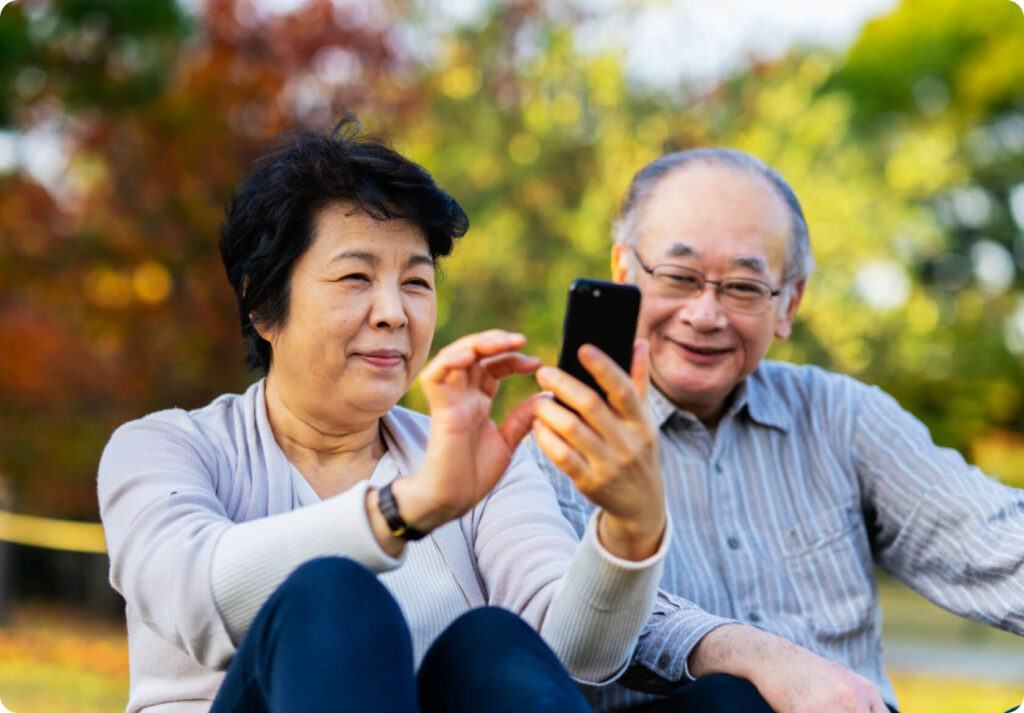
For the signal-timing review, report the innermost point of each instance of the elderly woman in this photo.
(311, 546)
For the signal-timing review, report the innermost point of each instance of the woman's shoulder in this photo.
(230, 419)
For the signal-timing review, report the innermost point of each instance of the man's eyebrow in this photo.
(681, 250)
(749, 262)
(755, 264)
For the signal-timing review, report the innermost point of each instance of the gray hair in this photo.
(626, 231)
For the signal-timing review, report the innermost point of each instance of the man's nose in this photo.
(704, 312)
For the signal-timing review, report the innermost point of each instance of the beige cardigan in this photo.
(179, 490)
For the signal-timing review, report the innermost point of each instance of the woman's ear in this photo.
(267, 333)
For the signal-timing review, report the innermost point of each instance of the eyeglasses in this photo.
(736, 294)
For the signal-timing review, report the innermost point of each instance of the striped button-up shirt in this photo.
(781, 512)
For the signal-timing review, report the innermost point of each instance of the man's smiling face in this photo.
(724, 223)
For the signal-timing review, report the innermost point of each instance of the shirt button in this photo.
(663, 661)
(718, 467)
(734, 544)
(753, 617)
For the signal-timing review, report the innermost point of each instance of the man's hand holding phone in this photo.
(608, 448)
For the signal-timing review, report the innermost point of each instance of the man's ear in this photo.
(620, 263)
(784, 327)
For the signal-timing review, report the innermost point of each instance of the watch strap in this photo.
(389, 509)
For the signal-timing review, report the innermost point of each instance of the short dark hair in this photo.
(271, 215)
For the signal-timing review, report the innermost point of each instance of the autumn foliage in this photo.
(134, 120)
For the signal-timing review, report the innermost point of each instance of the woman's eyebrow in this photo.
(420, 260)
(374, 259)
(363, 255)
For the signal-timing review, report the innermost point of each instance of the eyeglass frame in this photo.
(772, 291)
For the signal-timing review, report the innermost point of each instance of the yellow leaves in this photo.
(542, 115)
(824, 123)
(652, 132)
(87, 171)
(109, 288)
(782, 103)
(492, 244)
(922, 315)
(523, 149)
(565, 108)
(605, 81)
(149, 283)
(484, 170)
(461, 81)
(1001, 453)
(995, 72)
(926, 161)
(535, 115)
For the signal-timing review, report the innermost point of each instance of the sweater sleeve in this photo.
(253, 558)
(589, 605)
(194, 576)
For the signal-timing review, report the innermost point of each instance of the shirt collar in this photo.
(754, 395)
(765, 403)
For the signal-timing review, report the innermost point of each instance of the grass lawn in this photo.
(52, 661)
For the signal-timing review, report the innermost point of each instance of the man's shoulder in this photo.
(805, 396)
(803, 382)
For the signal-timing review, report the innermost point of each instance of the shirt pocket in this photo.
(828, 561)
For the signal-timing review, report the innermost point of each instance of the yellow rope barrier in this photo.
(54, 534)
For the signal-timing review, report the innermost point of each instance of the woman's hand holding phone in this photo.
(608, 448)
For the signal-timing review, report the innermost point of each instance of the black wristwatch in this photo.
(389, 509)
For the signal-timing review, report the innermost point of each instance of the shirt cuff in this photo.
(667, 650)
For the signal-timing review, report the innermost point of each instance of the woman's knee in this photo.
(496, 639)
(480, 628)
(330, 590)
(490, 655)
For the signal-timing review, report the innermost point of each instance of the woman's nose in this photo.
(388, 311)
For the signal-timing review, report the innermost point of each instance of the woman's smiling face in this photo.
(361, 316)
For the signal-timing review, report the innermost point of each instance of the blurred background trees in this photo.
(124, 126)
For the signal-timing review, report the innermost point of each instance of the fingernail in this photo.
(545, 372)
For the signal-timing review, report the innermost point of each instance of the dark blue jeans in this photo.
(331, 638)
(716, 693)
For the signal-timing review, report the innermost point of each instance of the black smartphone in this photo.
(603, 314)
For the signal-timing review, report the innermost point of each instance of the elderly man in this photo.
(786, 484)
